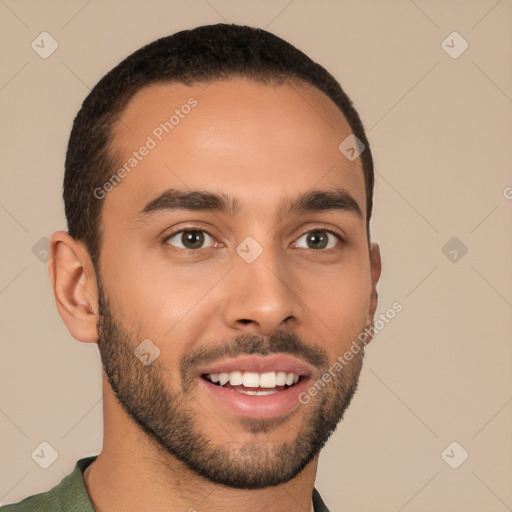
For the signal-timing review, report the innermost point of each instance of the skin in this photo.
(258, 143)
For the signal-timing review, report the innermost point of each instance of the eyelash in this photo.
(197, 228)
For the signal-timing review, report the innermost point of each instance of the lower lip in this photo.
(259, 407)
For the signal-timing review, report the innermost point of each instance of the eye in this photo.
(189, 239)
(319, 239)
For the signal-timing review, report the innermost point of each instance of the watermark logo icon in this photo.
(454, 249)
(44, 45)
(249, 249)
(44, 455)
(351, 147)
(41, 250)
(454, 455)
(146, 352)
(454, 45)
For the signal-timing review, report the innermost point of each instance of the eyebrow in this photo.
(198, 200)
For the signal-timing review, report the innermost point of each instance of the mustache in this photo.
(248, 344)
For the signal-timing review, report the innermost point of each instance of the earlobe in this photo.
(74, 286)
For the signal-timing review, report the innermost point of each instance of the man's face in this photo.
(262, 294)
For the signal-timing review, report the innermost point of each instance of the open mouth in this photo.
(256, 386)
(253, 383)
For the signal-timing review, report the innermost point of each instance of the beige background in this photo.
(441, 131)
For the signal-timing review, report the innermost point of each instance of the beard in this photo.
(166, 415)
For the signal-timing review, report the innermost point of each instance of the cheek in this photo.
(157, 300)
(340, 298)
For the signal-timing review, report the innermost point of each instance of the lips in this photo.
(256, 386)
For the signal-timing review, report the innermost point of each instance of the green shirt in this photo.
(71, 495)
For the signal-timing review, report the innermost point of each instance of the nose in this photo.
(260, 296)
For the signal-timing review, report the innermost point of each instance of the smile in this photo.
(257, 386)
(252, 383)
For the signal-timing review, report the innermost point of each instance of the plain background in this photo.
(441, 132)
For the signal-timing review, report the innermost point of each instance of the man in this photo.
(218, 192)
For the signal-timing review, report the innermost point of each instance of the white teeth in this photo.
(266, 380)
(280, 378)
(251, 380)
(235, 378)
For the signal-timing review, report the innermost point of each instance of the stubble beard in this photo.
(167, 418)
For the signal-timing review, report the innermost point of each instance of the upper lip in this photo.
(259, 364)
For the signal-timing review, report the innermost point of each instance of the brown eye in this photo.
(318, 239)
(189, 239)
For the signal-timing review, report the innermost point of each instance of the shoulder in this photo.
(44, 501)
(69, 495)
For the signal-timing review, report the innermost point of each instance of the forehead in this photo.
(253, 139)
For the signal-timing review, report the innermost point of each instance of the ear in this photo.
(74, 286)
(375, 269)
